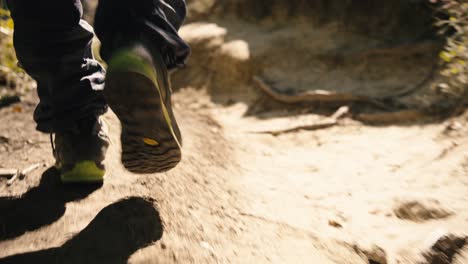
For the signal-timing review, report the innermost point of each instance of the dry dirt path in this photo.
(348, 194)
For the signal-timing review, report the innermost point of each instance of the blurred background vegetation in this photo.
(13, 81)
(454, 57)
(7, 56)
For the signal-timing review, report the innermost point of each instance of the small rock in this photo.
(454, 126)
(420, 211)
(443, 250)
(237, 49)
(373, 253)
(4, 140)
(203, 35)
(376, 255)
(334, 224)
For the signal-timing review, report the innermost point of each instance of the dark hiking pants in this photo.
(53, 45)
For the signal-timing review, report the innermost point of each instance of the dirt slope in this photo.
(350, 193)
(330, 196)
(340, 51)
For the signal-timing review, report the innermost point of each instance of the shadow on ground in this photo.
(113, 236)
(40, 206)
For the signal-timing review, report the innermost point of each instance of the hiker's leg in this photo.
(53, 45)
(156, 20)
(140, 42)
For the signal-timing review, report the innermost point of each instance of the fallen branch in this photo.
(8, 172)
(341, 112)
(13, 179)
(30, 169)
(332, 121)
(317, 126)
(15, 174)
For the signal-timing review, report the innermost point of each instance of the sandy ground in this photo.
(347, 194)
(350, 193)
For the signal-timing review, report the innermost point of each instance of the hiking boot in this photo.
(80, 154)
(138, 91)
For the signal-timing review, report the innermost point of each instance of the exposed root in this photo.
(308, 96)
(314, 96)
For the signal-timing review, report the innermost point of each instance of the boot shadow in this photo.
(117, 232)
(40, 206)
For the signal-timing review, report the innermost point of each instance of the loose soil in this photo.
(348, 194)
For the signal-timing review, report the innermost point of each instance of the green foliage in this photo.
(7, 55)
(13, 81)
(455, 54)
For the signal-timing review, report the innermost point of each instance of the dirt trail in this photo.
(351, 193)
(348, 194)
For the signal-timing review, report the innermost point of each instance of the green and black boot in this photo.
(80, 154)
(138, 91)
